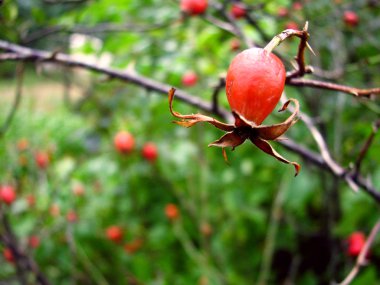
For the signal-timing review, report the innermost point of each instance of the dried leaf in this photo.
(272, 132)
(190, 120)
(267, 148)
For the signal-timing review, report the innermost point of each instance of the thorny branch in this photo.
(23, 262)
(33, 55)
(366, 146)
(16, 102)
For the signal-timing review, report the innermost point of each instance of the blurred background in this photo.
(99, 187)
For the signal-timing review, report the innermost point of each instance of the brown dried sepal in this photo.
(243, 130)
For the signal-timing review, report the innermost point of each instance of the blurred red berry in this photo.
(297, 6)
(238, 11)
(351, 18)
(194, 7)
(149, 151)
(22, 144)
(282, 12)
(124, 142)
(356, 242)
(171, 211)
(71, 216)
(42, 159)
(8, 255)
(291, 25)
(190, 78)
(7, 194)
(55, 210)
(114, 233)
(78, 190)
(235, 45)
(34, 241)
(133, 246)
(31, 200)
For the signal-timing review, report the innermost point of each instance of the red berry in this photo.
(282, 12)
(34, 241)
(351, 18)
(356, 242)
(78, 190)
(291, 25)
(8, 255)
(194, 7)
(189, 79)
(150, 152)
(55, 210)
(71, 216)
(124, 142)
(254, 84)
(114, 233)
(42, 159)
(235, 45)
(297, 6)
(7, 194)
(238, 11)
(171, 211)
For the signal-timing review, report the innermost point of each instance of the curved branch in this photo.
(34, 55)
(8, 121)
(303, 82)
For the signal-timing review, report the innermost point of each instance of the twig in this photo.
(101, 28)
(35, 55)
(303, 82)
(8, 121)
(366, 146)
(362, 258)
(215, 94)
(270, 238)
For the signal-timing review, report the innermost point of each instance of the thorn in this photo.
(306, 27)
(309, 47)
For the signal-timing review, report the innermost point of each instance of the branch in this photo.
(366, 146)
(19, 74)
(101, 28)
(303, 82)
(362, 258)
(34, 55)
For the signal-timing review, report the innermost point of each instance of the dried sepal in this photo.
(267, 148)
(273, 132)
(231, 139)
(190, 120)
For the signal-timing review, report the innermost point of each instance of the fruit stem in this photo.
(278, 39)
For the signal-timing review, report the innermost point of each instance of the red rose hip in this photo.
(114, 233)
(194, 7)
(189, 79)
(149, 151)
(254, 84)
(7, 194)
(351, 18)
(238, 11)
(356, 242)
(171, 211)
(124, 142)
